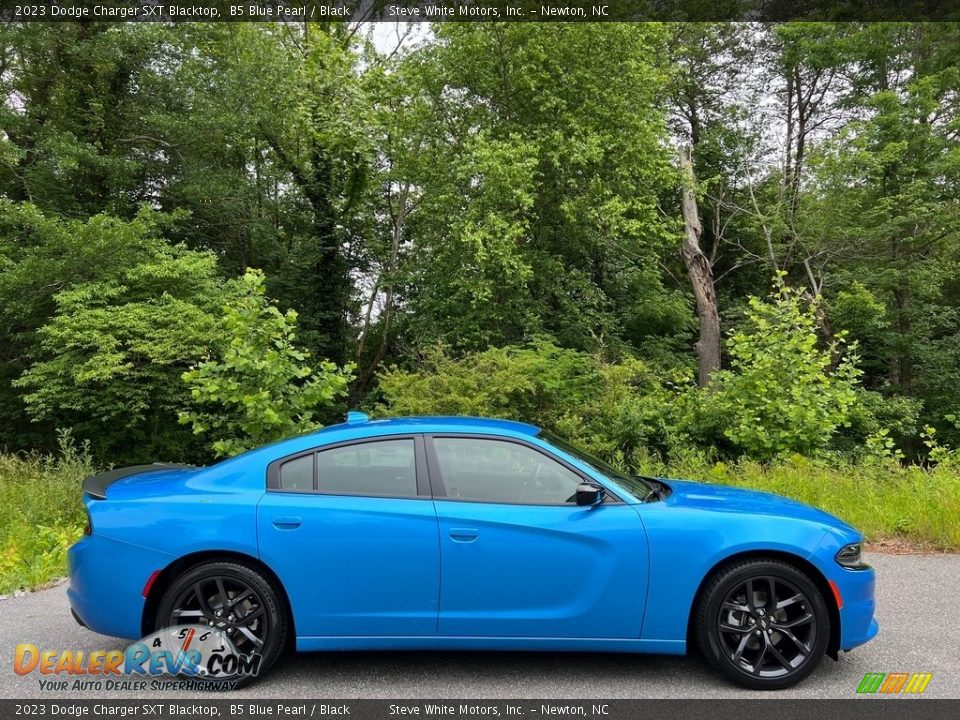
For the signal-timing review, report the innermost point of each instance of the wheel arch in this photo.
(801, 563)
(182, 564)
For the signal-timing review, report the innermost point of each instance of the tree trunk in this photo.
(701, 276)
(388, 279)
(904, 358)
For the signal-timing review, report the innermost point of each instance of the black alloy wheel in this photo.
(763, 623)
(235, 599)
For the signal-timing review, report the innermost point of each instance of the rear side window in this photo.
(297, 474)
(383, 468)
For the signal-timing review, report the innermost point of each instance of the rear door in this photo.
(519, 558)
(352, 533)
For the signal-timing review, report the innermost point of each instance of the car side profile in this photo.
(473, 534)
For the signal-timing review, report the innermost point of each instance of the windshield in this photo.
(633, 484)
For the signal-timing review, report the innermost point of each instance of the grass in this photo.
(883, 499)
(41, 512)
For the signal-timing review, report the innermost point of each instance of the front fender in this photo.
(686, 544)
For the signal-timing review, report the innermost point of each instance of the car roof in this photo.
(360, 426)
(435, 423)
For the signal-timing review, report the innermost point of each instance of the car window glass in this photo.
(505, 472)
(383, 467)
(297, 474)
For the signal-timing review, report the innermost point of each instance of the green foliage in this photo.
(130, 312)
(82, 92)
(538, 382)
(485, 186)
(257, 389)
(538, 210)
(781, 393)
(40, 513)
(614, 408)
(643, 420)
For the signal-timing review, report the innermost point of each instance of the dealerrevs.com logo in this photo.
(199, 655)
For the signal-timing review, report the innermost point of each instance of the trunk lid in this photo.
(96, 485)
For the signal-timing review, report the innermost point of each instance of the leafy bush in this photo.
(41, 512)
(538, 383)
(258, 390)
(782, 393)
(643, 419)
(615, 409)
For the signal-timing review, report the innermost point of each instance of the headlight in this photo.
(849, 556)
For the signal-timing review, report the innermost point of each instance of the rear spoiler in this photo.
(96, 485)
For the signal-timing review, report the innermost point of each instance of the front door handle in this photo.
(463, 535)
(288, 522)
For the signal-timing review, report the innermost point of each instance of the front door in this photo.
(519, 558)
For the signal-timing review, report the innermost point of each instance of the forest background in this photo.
(726, 251)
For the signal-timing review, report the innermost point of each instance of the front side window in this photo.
(502, 472)
(633, 484)
(383, 468)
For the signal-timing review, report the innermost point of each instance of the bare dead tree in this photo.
(701, 275)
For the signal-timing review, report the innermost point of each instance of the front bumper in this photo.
(106, 581)
(857, 623)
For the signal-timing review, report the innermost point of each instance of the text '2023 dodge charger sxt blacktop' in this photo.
(470, 534)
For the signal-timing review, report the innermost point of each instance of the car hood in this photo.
(723, 498)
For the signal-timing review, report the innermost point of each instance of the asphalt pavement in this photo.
(917, 599)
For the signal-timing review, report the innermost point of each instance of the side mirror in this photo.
(590, 494)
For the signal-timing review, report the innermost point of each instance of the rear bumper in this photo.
(106, 580)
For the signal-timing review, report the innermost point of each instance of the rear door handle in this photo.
(463, 535)
(288, 522)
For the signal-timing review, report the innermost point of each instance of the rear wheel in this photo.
(234, 599)
(763, 623)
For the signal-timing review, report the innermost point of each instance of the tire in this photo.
(248, 591)
(759, 643)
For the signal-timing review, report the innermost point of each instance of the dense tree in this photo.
(119, 317)
(884, 209)
(539, 211)
(483, 187)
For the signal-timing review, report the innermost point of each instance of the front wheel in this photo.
(763, 623)
(234, 599)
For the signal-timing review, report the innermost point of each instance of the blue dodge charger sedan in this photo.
(467, 533)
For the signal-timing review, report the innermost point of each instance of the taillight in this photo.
(88, 528)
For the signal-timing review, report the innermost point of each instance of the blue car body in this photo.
(431, 571)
